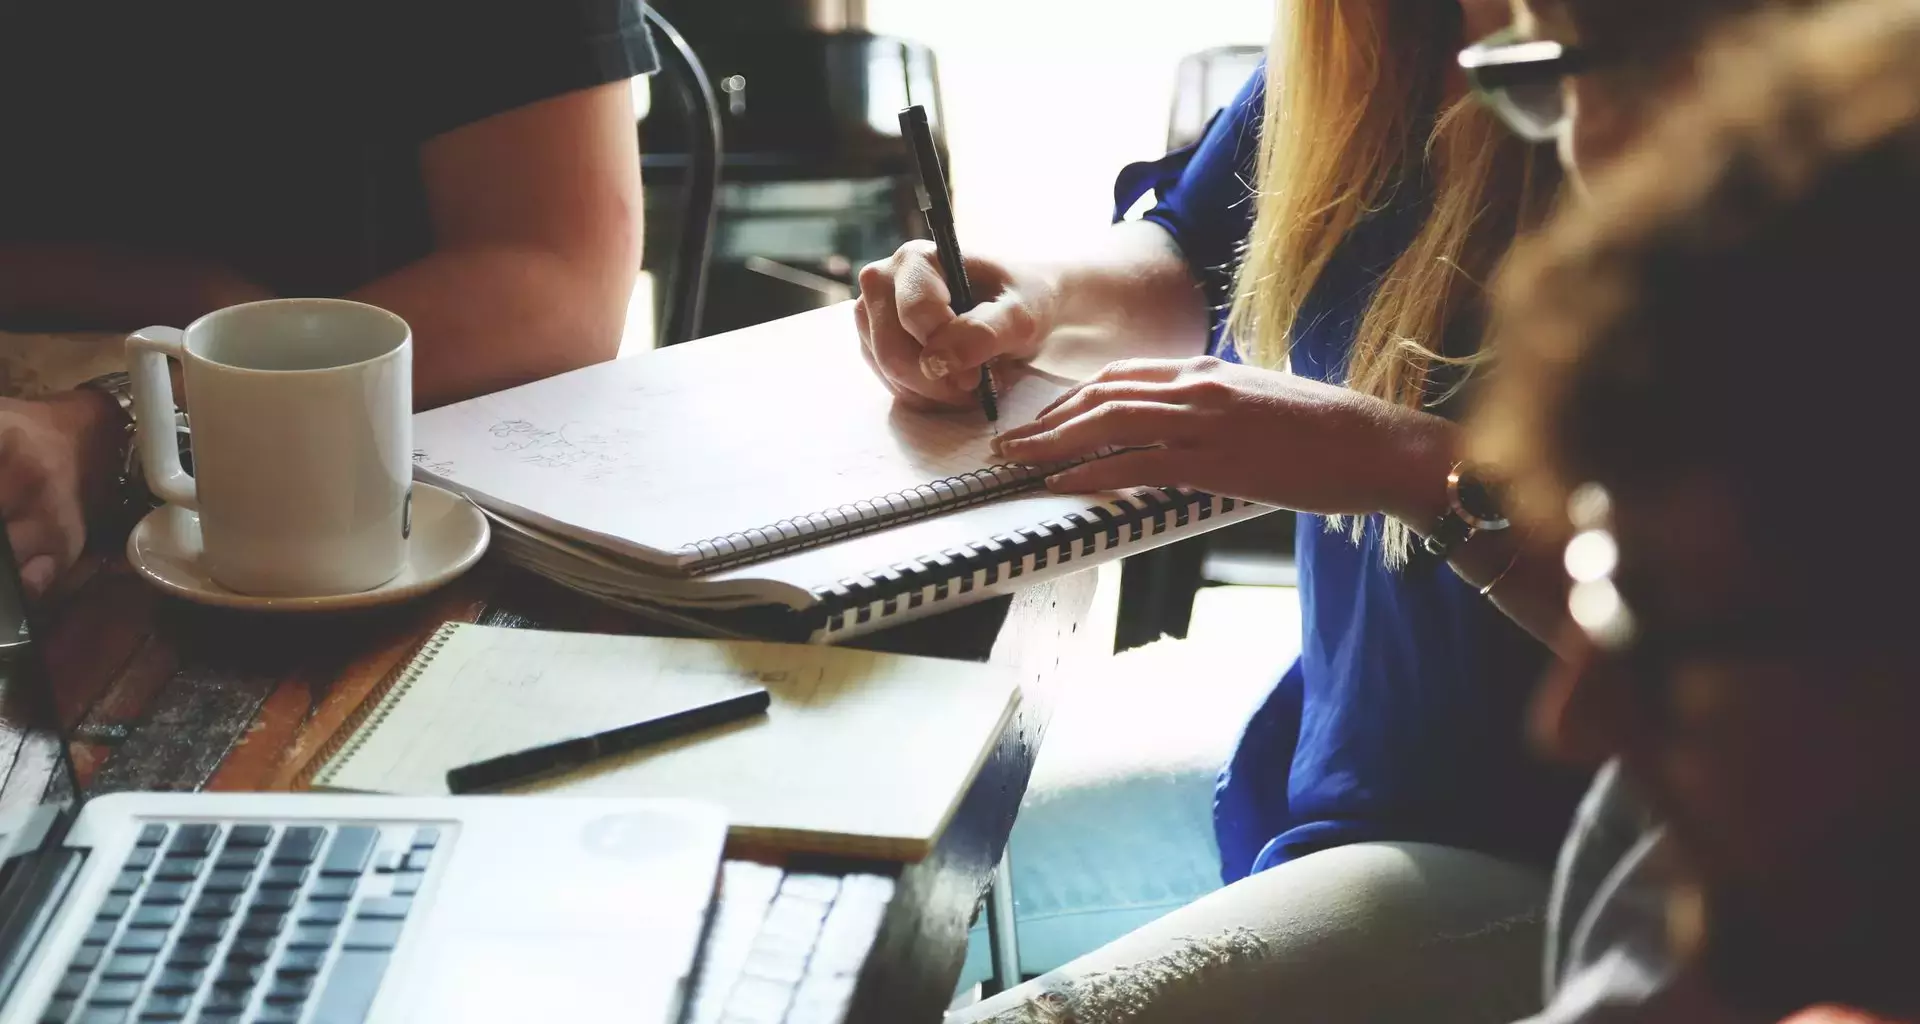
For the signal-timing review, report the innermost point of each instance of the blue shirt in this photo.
(1403, 718)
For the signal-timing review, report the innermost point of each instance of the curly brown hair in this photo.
(1644, 29)
(1737, 298)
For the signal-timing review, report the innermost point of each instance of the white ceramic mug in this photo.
(302, 440)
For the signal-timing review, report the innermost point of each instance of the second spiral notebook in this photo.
(861, 753)
(768, 469)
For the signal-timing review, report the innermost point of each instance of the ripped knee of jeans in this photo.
(1127, 993)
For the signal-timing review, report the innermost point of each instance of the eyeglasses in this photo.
(1519, 79)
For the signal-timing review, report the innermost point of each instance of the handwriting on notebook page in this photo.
(587, 451)
(944, 444)
(674, 447)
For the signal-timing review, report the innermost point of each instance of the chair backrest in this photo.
(815, 181)
(687, 281)
(1207, 80)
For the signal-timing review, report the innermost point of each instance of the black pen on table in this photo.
(552, 758)
(937, 205)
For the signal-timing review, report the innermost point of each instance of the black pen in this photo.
(566, 755)
(937, 205)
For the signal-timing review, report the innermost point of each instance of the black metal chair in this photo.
(813, 182)
(687, 280)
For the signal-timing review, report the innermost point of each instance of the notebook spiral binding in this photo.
(869, 516)
(909, 585)
(366, 719)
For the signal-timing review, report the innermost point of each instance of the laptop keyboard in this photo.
(231, 923)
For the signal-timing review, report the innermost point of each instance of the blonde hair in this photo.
(1353, 85)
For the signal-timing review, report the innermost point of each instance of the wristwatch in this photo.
(134, 498)
(1473, 506)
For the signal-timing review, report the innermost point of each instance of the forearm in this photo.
(74, 286)
(1129, 294)
(485, 319)
(1530, 587)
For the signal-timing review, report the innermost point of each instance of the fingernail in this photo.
(934, 365)
(1054, 481)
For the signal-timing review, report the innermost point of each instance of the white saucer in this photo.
(449, 536)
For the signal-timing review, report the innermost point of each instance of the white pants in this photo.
(1373, 933)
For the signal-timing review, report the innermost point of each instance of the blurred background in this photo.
(1039, 103)
(1047, 99)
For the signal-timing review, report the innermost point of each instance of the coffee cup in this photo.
(301, 436)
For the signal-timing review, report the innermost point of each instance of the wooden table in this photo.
(161, 695)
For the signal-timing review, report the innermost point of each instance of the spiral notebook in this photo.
(770, 469)
(861, 754)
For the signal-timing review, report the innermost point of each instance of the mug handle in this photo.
(147, 352)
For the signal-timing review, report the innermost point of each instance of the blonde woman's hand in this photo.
(1243, 432)
(928, 357)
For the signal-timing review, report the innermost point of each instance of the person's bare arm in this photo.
(1529, 581)
(86, 286)
(1134, 297)
(537, 232)
(1127, 293)
(1533, 591)
(1273, 437)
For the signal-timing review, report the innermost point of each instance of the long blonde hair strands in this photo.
(1352, 85)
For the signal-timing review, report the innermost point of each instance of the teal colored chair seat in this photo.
(1117, 828)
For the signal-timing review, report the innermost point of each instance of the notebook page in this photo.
(860, 753)
(491, 691)
(652, 454)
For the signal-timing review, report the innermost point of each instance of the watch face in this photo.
(1480, 503)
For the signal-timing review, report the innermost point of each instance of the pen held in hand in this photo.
(937, 205)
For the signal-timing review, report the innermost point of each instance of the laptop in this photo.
(329, 909)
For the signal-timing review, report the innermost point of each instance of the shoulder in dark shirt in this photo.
(278, 138)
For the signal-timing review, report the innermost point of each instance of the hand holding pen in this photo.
(937, 205)
(927, 356)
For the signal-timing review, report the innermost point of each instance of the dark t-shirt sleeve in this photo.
(466, 61)
(1205, 197)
